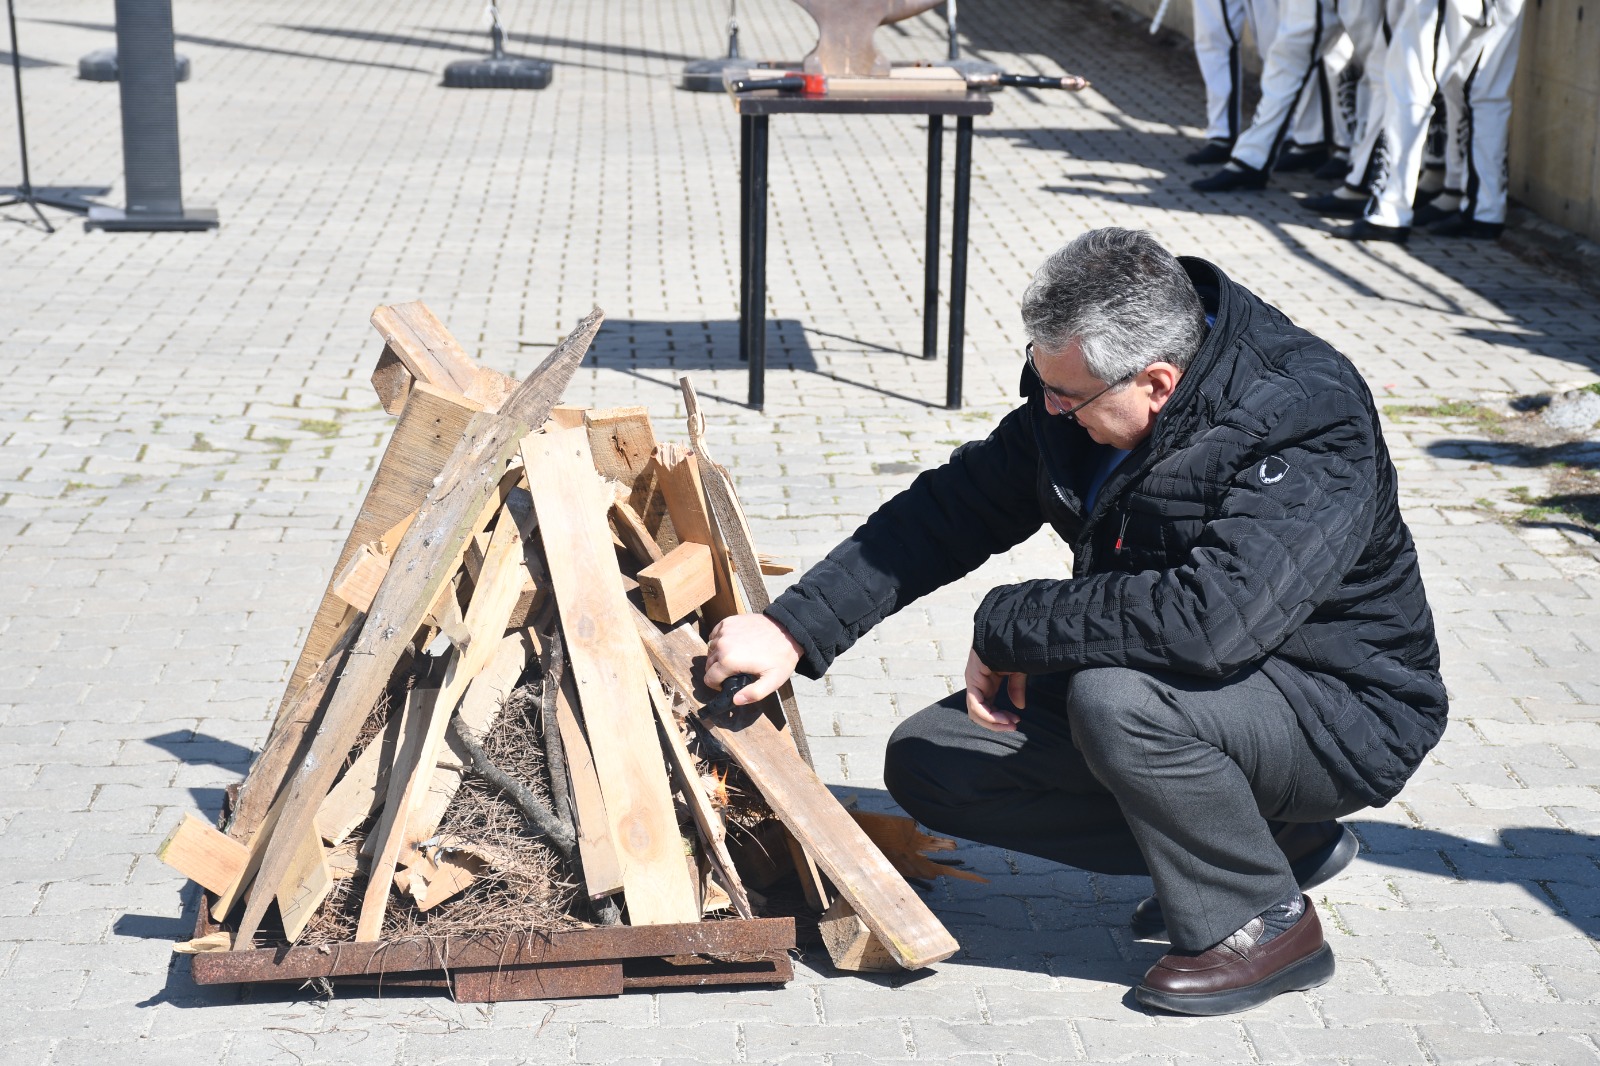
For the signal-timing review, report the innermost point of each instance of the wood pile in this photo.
(496, 768)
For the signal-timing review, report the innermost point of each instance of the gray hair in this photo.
(1122, 296)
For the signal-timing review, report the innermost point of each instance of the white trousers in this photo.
(1477, 96)
(1304, 33)
(1218, 45)
(1429, 37)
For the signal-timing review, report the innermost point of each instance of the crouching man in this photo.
(1242, 654)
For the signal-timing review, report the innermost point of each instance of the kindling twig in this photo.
(537, 814)
(555, 750)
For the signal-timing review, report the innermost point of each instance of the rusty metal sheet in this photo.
(539, 982)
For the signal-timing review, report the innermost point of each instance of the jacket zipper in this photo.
(1121, 533)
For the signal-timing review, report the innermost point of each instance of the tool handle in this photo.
(788, 83)
(722, 702)
(1042, 81)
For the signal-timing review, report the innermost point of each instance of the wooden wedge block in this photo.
(851, 944)
(358, 582)
(204, 854)
(675, 586)
(610, 669)
(444, 522)
(877, 892)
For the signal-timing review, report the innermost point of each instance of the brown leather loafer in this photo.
(1240, 973)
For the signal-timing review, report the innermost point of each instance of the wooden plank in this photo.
(485, 624)
(677, 584)
(286, 744)
(883, 899)
(304, 886)
(706, 818)
(602, 869)
(610, 669)
(204, 854)
(361, 787)
(772, 567)
(415, 336)
(430, 428)
(444, 522)
(686, 502)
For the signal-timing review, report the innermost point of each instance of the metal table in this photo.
(754, 108)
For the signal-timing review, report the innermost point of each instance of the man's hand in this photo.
(751, 644)
(983, 684)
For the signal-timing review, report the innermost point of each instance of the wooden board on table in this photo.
(609, 667)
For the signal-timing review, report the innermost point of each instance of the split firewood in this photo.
(221, 940)
(851, 945)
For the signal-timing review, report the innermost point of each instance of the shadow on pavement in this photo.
(218, 42)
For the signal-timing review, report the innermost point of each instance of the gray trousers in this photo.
(1125, 772)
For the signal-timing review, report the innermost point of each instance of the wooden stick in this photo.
(733, 538)
(443, 524)
(540, 817)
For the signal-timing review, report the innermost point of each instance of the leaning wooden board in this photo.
(879, 894)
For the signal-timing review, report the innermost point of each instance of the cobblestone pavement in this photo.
(187, 427)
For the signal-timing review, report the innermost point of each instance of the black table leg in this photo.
(758, 261)
(958, 260)
(745, 124)
(930, 269)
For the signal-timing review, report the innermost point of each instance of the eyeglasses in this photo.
(1056, 401)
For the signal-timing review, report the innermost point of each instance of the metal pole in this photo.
(930, 268)
(950, 26)
(958, 260)
(758, 261)
(26, 188)
(746, 124)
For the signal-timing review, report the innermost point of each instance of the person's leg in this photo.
(1489, 107)
(1217, 48)
(1411, 78)
(1198, 767)
(1026, 791)
(1291, 66)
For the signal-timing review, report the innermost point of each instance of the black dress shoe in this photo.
(1241, 972)
(1296, 159)
(1231, 178)
(1317, 852)
(1336, 206)
(1337, 167)
(1459, 225)
(1428, 214)
(1362, 230)
(1210, 154)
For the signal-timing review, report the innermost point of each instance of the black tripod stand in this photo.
(25, 193)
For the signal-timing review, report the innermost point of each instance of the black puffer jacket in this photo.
(1257, 524)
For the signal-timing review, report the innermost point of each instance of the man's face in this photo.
(1121, 416)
